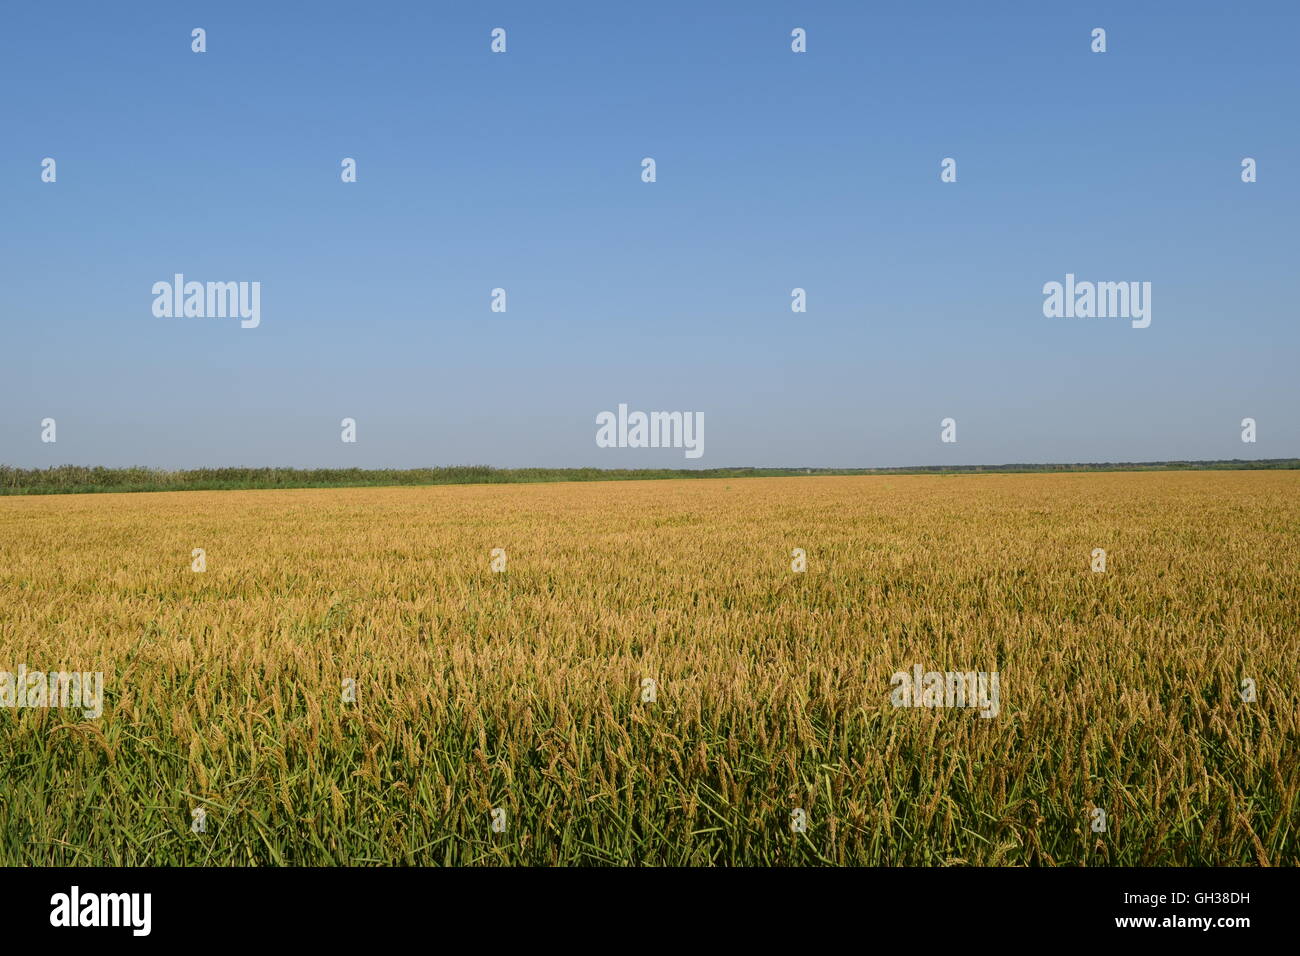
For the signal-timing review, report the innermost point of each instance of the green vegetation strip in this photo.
(77, 479)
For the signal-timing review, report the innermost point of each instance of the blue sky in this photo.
(522, 170)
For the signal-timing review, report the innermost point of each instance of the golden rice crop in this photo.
(521, 691)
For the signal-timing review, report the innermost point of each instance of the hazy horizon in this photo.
(711, 467)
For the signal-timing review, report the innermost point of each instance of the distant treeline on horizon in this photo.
(77, 479)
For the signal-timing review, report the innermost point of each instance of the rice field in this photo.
(644, 679)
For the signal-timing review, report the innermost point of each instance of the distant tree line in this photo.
(77, 479)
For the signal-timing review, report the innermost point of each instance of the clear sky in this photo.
(522, 170)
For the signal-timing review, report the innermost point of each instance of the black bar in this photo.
(369, 907)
